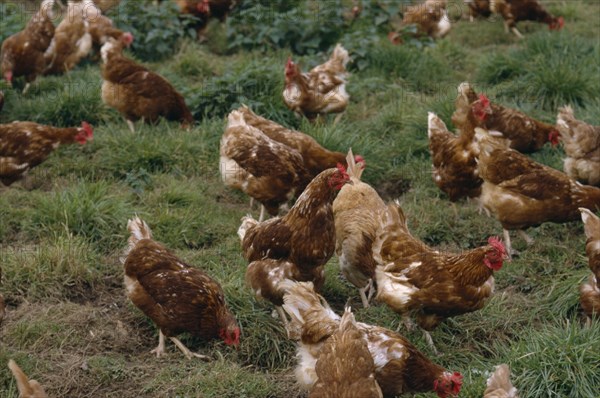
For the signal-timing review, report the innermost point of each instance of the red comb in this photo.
(89, 131)
(496, 243)
(485, 101)
(341, 168)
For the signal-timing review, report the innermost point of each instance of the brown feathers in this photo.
(523, 133)
(345, 368)
(176, 296)
(522, 193)
(430, 18)
(590, 290)
(267, 170)
(27, 388)
(454, 160)
(24, 145)
(138, 93)
(582, 147)
(23, 52)
(499, 385)
(322, 90)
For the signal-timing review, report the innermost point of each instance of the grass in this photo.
(69, 323)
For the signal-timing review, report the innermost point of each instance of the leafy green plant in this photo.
(157, 29)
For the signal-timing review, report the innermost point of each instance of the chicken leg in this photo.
(186, 351)
(160, 349)
(261, 218)
(363, 293)
(131, 125)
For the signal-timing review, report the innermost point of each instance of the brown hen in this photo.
(399, 367)
(24, 145)
(345, 368)
(138, 93)
(23, 53)
(320, 91)
(176, 296)
(265, 169)
(582, 147)
(416, 280)
(295, 246)
(522, 193)
(590, 291)
(523, 133)
(513, 11)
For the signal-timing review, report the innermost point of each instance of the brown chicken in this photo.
(356, 212)
(345, 368)
(454, 161)
(23, 52)
(24, 145)
(416, 280)
(525, 134)
(295, 246)
(522, 193)
(513, 11)
(399, 367)
(265, 169)
(72, 41)
(203, 10)
(430, 18)
(320, 91)
(499, 385)
(138, 93)
(478, 8)
(582, 146)
(27, 388)
(590, 291)
(315, 157)
(176, 296)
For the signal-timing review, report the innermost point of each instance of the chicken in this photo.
(101, 28)
(430, 18)
(345, 368)
(582, 146)
(203, 10)
(72, 40)
(27, 388)
(399, 367)
(314, 156)
(478, 8)
(590, 291)
(265, 169)
(176, 296)
(525, 134)
(416, 280)
(295, 246)
(499, 385)
(138, 93)
(356, 213)
(522, 193)
(24, 145)
(454, 161)
(320, 91)
(513, 11)
(23, 52)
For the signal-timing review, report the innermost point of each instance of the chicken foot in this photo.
(528, 239)
(364, 297)
(186, 351)
(160, 349)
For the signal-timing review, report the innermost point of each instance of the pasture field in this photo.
(71, 327)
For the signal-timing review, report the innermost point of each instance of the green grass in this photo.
(69, 323)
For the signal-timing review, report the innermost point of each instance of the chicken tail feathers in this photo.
(139, 230)
(340, 54)
(247, 223)
(27, 388)
(499, 385)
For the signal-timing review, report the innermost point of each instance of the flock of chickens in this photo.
(334, 211)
